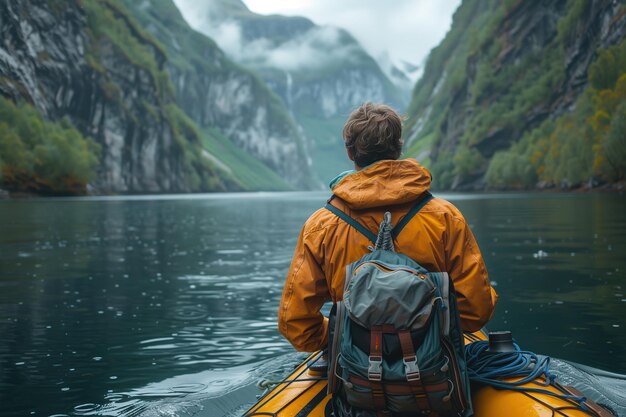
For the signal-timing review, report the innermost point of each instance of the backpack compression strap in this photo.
(421, 202)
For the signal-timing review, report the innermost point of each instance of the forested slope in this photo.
(88, 63)
(92, 101)
(524, 94)
(235, 107)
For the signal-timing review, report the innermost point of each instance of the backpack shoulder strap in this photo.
(421, 202)
(351, 221)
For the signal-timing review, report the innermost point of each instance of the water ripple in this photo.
(189, 312)
(86, 408)
(143, 289)
(188, 394)
(190, 388)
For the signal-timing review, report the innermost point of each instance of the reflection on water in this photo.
(606, 388)
(136, 306)
(211, 393)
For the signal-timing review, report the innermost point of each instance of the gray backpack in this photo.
(396, 344)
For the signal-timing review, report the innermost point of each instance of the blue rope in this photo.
(490, 368)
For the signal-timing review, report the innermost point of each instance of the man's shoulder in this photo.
(320, 220)
(445, 208)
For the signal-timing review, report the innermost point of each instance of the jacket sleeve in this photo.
(476, 299)
(305, 291)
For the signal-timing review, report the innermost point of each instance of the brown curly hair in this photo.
(373, 132)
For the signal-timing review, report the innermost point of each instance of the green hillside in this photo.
(193, 55)
(41, 156)
(512, 97)
(588, 144)
(121, 73)
(242, 170)
(110, 20)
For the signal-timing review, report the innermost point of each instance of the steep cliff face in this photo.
(328, 97)
(321, 73)
(87, 61)
(218, 94)
(502, 71)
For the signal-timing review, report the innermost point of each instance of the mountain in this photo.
(224, 98)
(87, 62)
(101, 103)
(320, 72)
(403, 74)
(524, 94)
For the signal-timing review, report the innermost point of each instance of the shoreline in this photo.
(618, 188)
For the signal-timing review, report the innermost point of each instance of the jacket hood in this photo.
(384, 183)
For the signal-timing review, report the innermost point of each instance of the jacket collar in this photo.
(384, 183)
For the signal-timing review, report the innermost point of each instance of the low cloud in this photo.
(228, 37)
(313, 49)
(404, 29)
(392, 32)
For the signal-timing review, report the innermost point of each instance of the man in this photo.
(438, 237)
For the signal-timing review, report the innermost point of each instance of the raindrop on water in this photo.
(86, 408)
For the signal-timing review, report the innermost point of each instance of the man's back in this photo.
(438, 238)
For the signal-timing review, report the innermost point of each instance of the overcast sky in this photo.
(405, 29)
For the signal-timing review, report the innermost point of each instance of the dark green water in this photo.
(165, 306)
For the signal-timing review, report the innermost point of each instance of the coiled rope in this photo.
(490, 368)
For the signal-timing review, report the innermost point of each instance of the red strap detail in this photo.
(375, 368)
(376, 342)
(375, 371)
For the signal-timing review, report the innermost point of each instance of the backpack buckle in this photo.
(375, 368)
(411, 369)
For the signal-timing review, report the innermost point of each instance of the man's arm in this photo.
(305, 291)
(476, 299)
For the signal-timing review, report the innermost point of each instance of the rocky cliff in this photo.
(85, 60)
(218, 94)
(167, 119)
(320, 72)
(504, 70)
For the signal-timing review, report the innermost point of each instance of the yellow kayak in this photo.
(303, 393)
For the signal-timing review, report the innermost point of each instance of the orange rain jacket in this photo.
(438, 238)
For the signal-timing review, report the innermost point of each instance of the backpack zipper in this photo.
(391, 268)
(388, 268)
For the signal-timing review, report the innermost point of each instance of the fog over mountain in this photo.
(321, 72)
(125, 97)
(398, 35)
